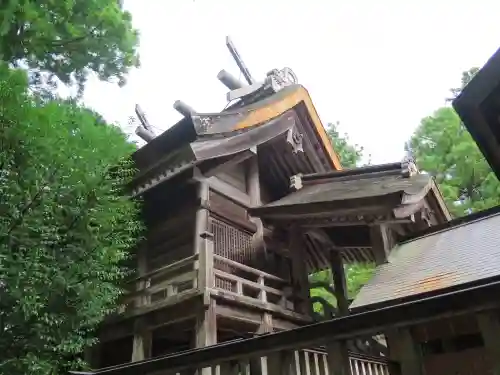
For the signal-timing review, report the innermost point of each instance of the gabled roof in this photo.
(465, 253)
(373, 190)
(478, 106)
(169, 149)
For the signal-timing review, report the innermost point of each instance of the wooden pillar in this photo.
(206, 330)
(338, 358)
(490, 330)
(338, 355)
(300, 282)
(339, 282)
(206, 264)
(206, 326)
(206, 320)
(201, 240)
(258, 365)
(253, 188)
(142, 343)
(382, 240)
(406, 351)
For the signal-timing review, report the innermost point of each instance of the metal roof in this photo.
(466, 253)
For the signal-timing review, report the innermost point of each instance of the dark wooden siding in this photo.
(235, 176)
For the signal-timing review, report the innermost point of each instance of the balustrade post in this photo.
(262, 292)
(142, 284)
(142, 341)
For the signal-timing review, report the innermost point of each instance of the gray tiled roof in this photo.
(466, 253)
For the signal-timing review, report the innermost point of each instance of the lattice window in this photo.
(231, 243)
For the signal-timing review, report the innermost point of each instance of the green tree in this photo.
(68, 39)
(66, 226)
(350, 155)
(357, 274)
(443, 147)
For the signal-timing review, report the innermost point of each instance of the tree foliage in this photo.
(66, 225)
(68, 39)
(443, 147)
(350, 155)
(357, 275)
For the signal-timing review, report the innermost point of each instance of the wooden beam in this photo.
(239, 61)
(382, 242)
(321, 236)
(183, 108)
(142, 118)
(229, 80)
(229, 191)
(243, 91)
(319, 223)
(297, 250)
(230, 162)
(339, 282)
(144, 133)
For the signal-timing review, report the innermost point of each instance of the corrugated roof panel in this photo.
(459, 255)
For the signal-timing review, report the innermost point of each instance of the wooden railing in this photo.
(299, 362)
(286, 362)
(256, 285)
(275, 350)
(175, 279)
(315, 362)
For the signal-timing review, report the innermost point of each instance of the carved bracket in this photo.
(294, 138)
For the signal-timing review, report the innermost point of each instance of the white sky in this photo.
(378, 67)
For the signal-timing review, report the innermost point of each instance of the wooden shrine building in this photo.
(242, 205)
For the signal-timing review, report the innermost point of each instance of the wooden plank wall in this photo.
(169, 237)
